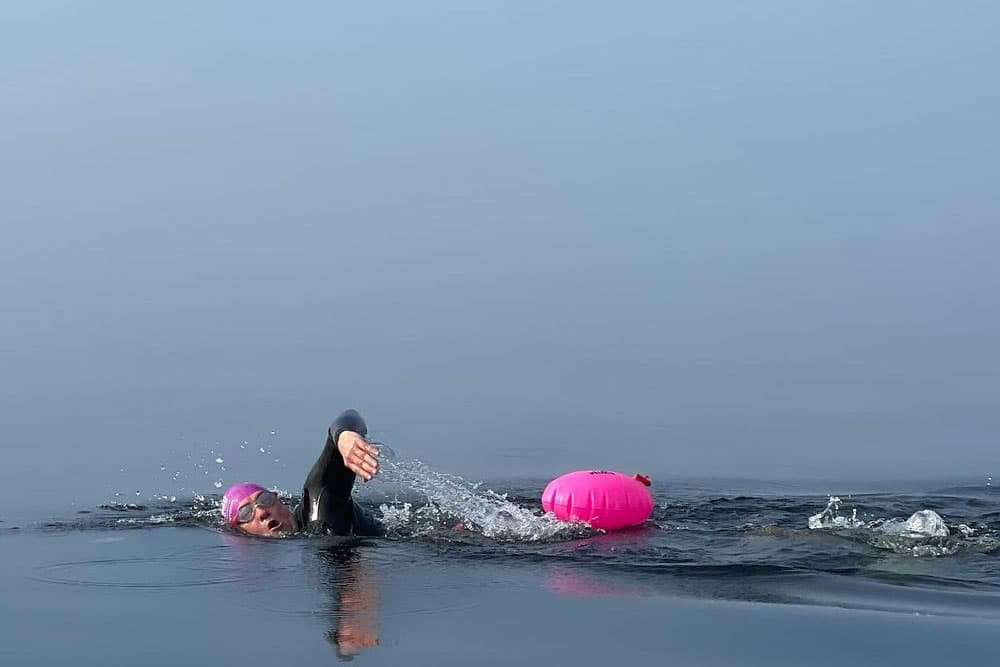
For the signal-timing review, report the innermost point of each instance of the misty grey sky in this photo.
(522, 238)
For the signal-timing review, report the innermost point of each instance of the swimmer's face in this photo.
(268, 521)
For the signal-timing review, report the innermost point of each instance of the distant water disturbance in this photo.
(924, 533)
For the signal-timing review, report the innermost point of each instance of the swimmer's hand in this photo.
(359, 455)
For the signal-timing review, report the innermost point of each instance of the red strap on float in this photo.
(643, 478)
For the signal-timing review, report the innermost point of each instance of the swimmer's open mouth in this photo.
(273, 524)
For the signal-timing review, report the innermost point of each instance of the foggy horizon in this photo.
(757, 242)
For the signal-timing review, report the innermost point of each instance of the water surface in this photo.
(717, 574)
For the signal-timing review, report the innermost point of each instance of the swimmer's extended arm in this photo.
(326, 494)
(330, 473)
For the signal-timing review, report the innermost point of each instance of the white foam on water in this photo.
(403, 519)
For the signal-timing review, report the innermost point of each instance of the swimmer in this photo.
(326, 505)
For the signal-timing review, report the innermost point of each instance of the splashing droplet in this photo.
(262, 450)
(218, 484)
(218, 459)
(244, 445)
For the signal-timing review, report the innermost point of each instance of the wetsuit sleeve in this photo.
(329, 471)
(326, 494)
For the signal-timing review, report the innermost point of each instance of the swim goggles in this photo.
(264, 499)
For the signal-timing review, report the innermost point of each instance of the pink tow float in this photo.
(603, 499)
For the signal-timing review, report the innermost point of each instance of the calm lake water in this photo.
(721, 574)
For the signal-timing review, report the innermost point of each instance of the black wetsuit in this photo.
(327, 505)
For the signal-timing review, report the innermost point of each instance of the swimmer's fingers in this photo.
(369, 465)
(359, 456)
(368, 448)
(362, 467)
(369, 458)
(359, 470)
(362, 463)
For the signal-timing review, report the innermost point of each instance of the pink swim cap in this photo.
(234, 497)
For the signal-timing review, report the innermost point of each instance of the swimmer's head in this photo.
(234, 497)
(253, 509)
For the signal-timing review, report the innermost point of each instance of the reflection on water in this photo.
(340, 568)
(354, 600)
(571, 581)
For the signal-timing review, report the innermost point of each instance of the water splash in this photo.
(923, 534)
(925, 523)
(831, 518)
(452, 498)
